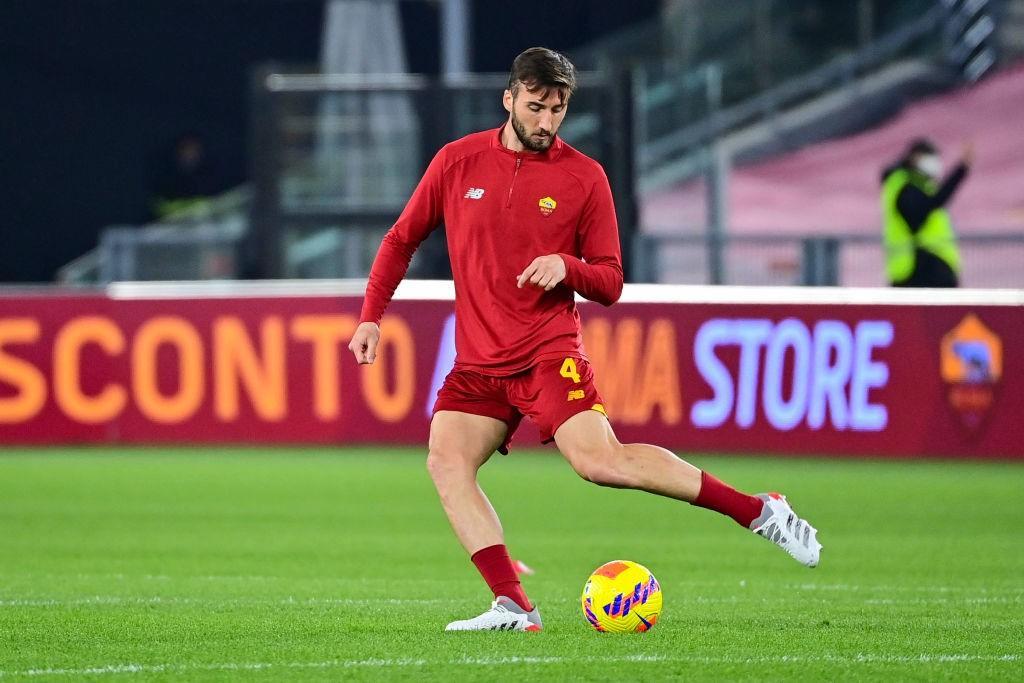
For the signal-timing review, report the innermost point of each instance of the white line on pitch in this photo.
(114, 669)
(160, 600)
(830, 587)
(1012, 598)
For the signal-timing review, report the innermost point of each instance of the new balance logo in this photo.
(474, 193)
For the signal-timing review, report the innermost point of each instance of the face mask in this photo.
(930, 165)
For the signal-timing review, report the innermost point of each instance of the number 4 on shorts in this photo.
(569, 370)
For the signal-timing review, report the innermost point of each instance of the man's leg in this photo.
(591, 447)
(589, 444)
(460, 443)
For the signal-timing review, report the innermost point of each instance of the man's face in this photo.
(536, 116)
(929, 164)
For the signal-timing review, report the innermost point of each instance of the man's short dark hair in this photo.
(917, 147)
(921, 146)
(542, 68)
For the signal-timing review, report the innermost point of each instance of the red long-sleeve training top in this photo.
(502, 209)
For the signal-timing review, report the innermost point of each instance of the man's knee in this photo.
(459, 444)
(602, 464)
(447, 461)
(440, 464)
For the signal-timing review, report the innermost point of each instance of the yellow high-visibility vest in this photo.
(935, 236)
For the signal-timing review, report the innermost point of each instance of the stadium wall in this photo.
(727, 369)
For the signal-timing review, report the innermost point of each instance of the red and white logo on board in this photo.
(971, 366)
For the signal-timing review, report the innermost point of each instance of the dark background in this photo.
(96, 91)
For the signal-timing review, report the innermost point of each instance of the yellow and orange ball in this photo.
(622, 597)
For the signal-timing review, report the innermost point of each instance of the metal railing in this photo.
(200, 242)
(990, 259)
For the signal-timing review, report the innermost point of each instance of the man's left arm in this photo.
(598, 275)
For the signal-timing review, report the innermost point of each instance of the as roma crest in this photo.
(547, 206)
(971, 366)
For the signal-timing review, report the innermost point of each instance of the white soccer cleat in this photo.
(504, 615)
(780, 525)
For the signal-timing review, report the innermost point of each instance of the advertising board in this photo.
(882, 379)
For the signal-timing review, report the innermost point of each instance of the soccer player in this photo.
(530, 222)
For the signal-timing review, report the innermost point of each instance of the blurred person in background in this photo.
(530, 223)
(188, 179)
(920, 244)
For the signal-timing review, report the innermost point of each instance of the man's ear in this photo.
(506, 100)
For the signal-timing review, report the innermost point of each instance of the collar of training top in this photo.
(550, 153)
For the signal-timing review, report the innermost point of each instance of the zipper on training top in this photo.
(519, 161)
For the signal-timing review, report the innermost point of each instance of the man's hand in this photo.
(544, 272)
(364, 343)
(967, 153)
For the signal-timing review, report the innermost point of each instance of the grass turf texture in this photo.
(329, 564)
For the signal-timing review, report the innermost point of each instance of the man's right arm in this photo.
(421, 215)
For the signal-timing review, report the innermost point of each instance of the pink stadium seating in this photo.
(833, 187)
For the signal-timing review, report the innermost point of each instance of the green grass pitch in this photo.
(313, 564)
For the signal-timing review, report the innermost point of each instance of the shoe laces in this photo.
(800, 529)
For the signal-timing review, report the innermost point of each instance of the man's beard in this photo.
(528, 142)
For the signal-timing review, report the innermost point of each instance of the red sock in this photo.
(495, 565)
(720, 497)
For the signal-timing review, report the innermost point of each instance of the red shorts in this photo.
(549, 393)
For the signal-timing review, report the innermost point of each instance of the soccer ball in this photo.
(622, 597)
